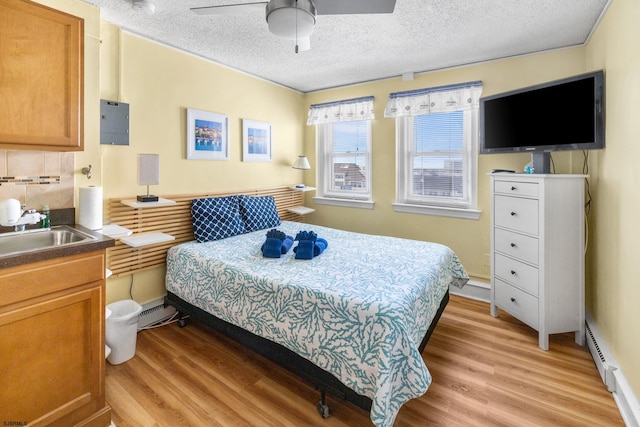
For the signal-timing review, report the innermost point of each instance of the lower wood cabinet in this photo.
(52, 362)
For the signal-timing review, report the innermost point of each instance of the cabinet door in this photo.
(52, 359)
(41, 89)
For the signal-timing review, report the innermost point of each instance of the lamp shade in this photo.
(291, 19)
(301, 163)
(148, 169)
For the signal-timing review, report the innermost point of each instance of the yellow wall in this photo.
(468, 238)
(160, 84)
(613, 292)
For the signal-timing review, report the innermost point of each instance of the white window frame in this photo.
(434, 205)
(326, 195)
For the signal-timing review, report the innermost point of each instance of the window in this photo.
(436, 148)
(433, 162)
(345, 162)
(343, 135)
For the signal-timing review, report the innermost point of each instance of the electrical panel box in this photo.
(114, 123)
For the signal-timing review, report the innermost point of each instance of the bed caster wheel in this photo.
(323, 410)
(182, 323)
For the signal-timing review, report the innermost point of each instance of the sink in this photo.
(40, 239)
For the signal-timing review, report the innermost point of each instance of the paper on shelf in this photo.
(114, 230)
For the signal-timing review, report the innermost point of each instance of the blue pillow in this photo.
(259, 213)
(216, 218)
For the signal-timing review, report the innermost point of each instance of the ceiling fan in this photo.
(295, 19)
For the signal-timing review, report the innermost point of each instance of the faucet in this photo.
(13, 214)
(19, 226)
(30, 216)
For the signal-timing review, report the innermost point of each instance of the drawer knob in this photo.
(513, 273)
(513, 188)
(513, 245)
(513, 299)
(513, 214)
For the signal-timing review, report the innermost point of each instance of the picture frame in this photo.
(256, 141)
(207, 135)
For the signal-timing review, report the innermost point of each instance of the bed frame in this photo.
(175, 220)
(319, 378)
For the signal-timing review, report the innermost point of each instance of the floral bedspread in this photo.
(359, 310)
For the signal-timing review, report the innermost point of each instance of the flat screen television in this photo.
(565, 114)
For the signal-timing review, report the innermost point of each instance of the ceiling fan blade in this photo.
(343, 7)
(230, 9)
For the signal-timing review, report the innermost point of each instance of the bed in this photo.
(352, 320)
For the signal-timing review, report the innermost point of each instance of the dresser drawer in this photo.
(517, 273)
(517, 303)
(516, 245)
(516, 213)
(515, 188)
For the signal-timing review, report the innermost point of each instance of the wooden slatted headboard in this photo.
(176, 221)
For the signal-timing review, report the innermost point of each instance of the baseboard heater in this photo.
(154, 312)
(600, 357)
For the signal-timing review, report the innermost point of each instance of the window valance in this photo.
(441, 99)
(348, 110)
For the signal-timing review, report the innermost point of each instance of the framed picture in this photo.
(207, 135)
(256, 141)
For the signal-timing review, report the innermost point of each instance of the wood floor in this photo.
(486, 372)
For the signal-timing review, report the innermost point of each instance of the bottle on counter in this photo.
(46, 221)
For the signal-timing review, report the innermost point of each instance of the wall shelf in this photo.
(305, 188)
(136, 204)
(147, 239)
(301, 210)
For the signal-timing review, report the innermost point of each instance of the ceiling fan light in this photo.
(284, 16)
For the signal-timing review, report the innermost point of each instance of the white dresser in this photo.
(537, 251)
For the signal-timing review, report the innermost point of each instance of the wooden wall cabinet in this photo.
(52, 344)
(41, 78)
(537, 252)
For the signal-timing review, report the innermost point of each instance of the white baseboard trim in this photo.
(474, 289)
(626, 400)
(622, 393)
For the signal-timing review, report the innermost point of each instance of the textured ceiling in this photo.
(421, 35)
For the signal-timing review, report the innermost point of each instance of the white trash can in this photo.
(122, 329)
(107, 350)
